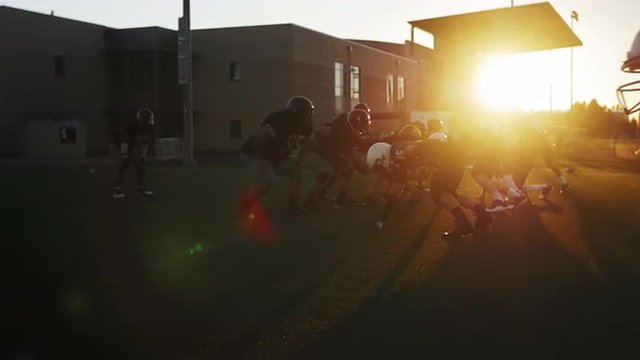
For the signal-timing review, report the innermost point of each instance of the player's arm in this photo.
(305, 144)
(261, 137)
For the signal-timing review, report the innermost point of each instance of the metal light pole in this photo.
(185, 78)
(574, 16)
(550, 81)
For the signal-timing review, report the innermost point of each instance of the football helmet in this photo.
(379, 155)
(302, 108)
(363, 106)
(438, 136)
(359, 120)
(434, 126)
(410, 133)
(631, 65)
(300, 104)
(145, 117)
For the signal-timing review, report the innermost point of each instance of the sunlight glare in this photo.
(513, 82)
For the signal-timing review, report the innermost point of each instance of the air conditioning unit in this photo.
(168, 148)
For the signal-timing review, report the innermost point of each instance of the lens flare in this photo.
(253, 219)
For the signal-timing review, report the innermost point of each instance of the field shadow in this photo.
(512, 294)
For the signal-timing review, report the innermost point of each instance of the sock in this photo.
(540, 187)
(140, 175)
(562, 179)
(512, 188)
(496, 196)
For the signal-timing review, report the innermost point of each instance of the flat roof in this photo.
(524, 28)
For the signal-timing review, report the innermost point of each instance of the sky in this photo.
(606, 27)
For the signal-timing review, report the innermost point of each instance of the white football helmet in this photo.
(439, 136)
(631, 65)
(379, 155)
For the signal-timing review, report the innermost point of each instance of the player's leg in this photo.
(345, 174)
(323, 169)
(551, 164)
(264, 174)
(140, 160)
(376, 187)
(293, 171)
(314, 194)
(485, 180)
(121, 161)
(517, 168)
(483, 215)
(518, 179)
(392, 198)
(333, 176)
(444, 184)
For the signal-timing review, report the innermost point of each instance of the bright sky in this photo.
(607, 28)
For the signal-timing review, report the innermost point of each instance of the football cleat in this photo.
(144, 191)
(118, 193)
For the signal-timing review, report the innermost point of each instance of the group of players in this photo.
(401, 164)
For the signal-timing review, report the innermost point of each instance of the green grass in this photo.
(92, 277)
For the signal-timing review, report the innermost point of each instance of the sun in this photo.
(495, 83)
(512, 82)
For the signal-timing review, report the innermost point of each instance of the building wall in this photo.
(263, 55)
(277, 62)
(142, 72)
(314, 56)
(32, 90)
(240, 76)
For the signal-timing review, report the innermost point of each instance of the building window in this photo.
(400, 88)
(68, 134)
(390, 98)
(355, 84)
(235, 129)
(339, 86)
(58, 66)
(234, 71)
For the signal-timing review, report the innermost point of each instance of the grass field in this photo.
(87, 276)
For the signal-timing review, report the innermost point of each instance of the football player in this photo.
(449, 167)
(129, 145)
(336, 143)
(339, 125)
(269, 151)
(528, 144)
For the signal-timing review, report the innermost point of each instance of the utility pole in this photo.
(574, 16)
(185, 79)
(550, 81)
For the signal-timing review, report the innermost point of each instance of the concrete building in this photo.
(66, 84)
(53, 85)
(242, 74)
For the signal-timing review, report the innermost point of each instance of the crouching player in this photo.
(336, 144)
(270, 148)
(448, 164)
